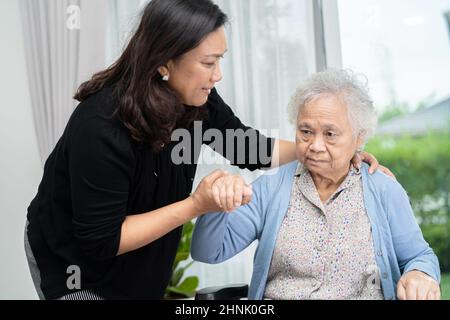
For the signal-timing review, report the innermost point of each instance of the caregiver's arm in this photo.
(139, 230)
(284, 152)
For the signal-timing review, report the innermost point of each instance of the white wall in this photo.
(20, 167)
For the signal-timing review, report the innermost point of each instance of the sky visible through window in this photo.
(402, 46)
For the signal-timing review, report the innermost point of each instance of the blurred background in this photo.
(48, 47)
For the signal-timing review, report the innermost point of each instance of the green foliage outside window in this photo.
(422, 166)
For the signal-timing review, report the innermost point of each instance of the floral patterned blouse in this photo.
(324, 250)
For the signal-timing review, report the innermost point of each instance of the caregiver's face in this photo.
(325, 141)
(195, 73)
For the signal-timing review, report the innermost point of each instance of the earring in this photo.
(165, 78)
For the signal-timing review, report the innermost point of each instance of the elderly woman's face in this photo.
(325, 140)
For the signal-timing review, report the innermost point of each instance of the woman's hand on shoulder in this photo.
(372, 162)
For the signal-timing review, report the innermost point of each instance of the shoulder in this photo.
(215, 101)
(276, 178)
(96, 115)
(283, 171)
(95, 128)
(384, 185)
(218, 110)
(102, 104)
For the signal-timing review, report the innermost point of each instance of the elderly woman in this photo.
(325, 229)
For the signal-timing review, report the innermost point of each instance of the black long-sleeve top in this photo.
(94, 178)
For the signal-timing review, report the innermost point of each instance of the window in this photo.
(402, 46)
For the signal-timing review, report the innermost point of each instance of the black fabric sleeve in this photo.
(101, 165)
(243, 146)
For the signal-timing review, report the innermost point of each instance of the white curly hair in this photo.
(354, 90)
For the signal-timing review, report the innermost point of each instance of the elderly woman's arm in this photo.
(220, 236)
(417, 261)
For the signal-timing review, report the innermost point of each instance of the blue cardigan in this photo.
(398, 241)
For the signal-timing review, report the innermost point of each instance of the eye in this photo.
(306, 132)
(331, 134)
(209, 64)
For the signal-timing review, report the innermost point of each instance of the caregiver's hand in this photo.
(230, 192)
(372, 161)
(203, 197)
(416, 285)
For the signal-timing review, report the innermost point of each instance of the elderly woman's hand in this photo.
(230, 192)
(372, 161)
(416, 285)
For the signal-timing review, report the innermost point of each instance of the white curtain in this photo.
(65, 42)
(271, 49)
(124, 17)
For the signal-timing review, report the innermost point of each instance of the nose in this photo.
(217, 75)
(318, 144)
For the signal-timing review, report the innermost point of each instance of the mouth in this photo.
(207, 90)
(315, 160)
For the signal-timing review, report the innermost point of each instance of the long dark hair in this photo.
(147, 106)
